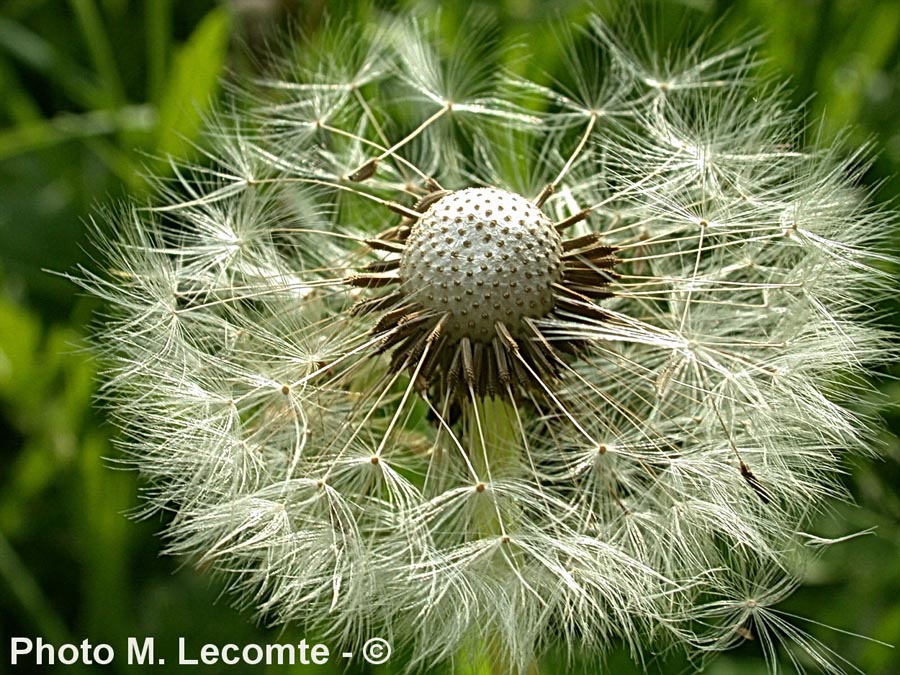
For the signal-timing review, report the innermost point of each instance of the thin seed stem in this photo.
(427, 123)
(367, 168)
(568, 165)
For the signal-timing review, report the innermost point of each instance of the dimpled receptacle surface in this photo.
(482, 255)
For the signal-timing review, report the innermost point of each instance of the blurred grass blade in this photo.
(120, 162)
(44, 133)
(32, 50)
(16, 101)
(158, 17)
(26, 590)
(100, 49)
(192, 83)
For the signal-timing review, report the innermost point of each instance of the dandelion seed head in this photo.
(547, 366)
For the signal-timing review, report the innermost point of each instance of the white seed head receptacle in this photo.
(483, 255)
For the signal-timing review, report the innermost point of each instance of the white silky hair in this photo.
(653, 494)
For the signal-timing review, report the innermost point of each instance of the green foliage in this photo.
(93, 90)
(194, 77)
(96, 91)
(55, 467)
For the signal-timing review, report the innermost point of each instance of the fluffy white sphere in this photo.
(408, 357)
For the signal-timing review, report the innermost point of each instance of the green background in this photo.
(94, 92)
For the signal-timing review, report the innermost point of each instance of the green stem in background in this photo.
(497, 451)
(496, 441)
(492, 432)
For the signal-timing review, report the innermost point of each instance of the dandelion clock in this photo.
(423, 350)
